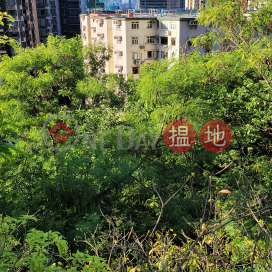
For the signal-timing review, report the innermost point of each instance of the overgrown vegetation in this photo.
(139, 209)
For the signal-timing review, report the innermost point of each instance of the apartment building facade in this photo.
(158, 4)
(193, 4)
(69, 17)
(140, 39)
(33, 21)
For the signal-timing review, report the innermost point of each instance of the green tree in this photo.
(4, 39)
(229, 85)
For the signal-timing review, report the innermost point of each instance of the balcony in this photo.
(3, 50)
(13, 7)
(18, 18)
(41, 5)
(23, 45)
(44, 16)
(43, 36)
(27, 27)
(26, 17)
(13, 29)
(25, 6)
(28, 38)
(19, 39)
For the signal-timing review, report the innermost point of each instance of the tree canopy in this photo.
(147, 207)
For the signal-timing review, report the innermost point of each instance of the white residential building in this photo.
(139, 39)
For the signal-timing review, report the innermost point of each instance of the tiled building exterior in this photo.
(33, 20)
(140, 39)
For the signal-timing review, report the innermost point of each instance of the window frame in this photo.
(135, 24)
(133, 39)
(153, 54)
(150, 38)
(136, 68)
(192, 27)
(150, 24)
(173, 25)
(137, 54)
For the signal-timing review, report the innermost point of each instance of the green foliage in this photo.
(68, 189)
(6, 147)
(4, 39)
(95, 55)
(40, 251)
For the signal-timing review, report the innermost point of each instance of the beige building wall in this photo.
(85, 29)
(109, 41)
(137, 52)
(119, 46)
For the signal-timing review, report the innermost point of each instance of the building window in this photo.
(118, 24)
(193, 27)
(164, 40)
(135, 25)
(135, 55)
(135, 70)
(164, 25)
(150, 54)
(151, 24)
(150, 39)
(135, 40)
(42, 33)
(173, 41)
(173, 25)
(162, 55)
(41, 22)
